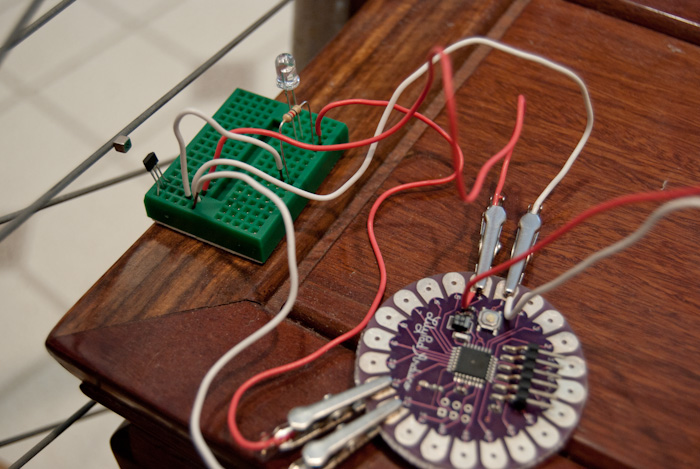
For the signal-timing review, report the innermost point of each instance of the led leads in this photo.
(288, 80)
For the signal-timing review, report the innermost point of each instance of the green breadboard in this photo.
(232, 215)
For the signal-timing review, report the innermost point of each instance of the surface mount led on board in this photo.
(231, 215)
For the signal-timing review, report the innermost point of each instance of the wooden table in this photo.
(142, 338)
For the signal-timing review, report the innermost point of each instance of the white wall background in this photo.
(63, 92)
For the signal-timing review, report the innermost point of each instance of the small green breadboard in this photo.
(232, 215)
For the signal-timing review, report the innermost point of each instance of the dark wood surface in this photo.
(676, 18)
(359, 62)
(681, 10)
(142, 338)
(623, 310)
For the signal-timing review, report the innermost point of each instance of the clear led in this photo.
(287, 77)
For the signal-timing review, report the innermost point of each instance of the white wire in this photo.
(523, 55)
(309, 195)
(644, 228)
(253, 170)
(241, 138)
(195, 430)
(390, 106)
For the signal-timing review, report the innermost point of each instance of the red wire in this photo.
(484, 170)
(481, 176)
(337, 146)
(451, 106)
(448, 89)
(233, 427)
(605, 206)
(367, 102)
(260, 445)
(497, 196)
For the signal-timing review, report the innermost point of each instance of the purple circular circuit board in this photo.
(477, 390)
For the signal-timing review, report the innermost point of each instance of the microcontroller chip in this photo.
(472, 365)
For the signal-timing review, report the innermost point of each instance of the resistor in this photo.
(292, 114)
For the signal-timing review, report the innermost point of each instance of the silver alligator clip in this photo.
(336, 447)
(528, 229)
(308, 422)
(491, 226)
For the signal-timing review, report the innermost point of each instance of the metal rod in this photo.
(133, 125)
(45, 18)
(52, 436)
(85, 190)
(17, 30)
(44, 429)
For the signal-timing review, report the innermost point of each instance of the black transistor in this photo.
(151, 164)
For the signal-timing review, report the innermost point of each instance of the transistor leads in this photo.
(151, 164)
(519, 380)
